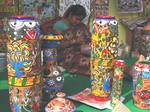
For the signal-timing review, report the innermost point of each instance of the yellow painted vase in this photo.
(104, 50)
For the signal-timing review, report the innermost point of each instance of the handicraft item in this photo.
(60, 104)
(53, 78)
(117, 81)
(141, 85)
(104, 50)
(24, 64)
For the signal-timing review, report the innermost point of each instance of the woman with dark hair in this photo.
(75, 35)
(73, 16)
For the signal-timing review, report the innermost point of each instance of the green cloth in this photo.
(3, 84)
(60, 26)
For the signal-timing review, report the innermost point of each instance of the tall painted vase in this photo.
(53, 78)
(24, 64)
(141, 85)
(104, 44)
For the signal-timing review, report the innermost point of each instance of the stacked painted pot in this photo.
(104, 44)
(23, 64)
(53, 77)
(141, 85)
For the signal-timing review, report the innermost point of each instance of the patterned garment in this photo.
(72, 59)
(69, 51)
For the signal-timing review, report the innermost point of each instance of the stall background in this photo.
(15, 7)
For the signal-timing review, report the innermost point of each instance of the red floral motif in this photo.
(119, 63)
(105, 51)
(31, 34)
(144, 94)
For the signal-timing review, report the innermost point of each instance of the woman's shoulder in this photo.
(60, 25)
(59, 22)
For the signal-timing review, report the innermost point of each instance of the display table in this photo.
(74, 84)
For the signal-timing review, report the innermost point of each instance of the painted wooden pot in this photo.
(60, 104)
(24, 64)
(50, 43)
(52, 83)
(53, 78)
(104, 50)
(141, 85)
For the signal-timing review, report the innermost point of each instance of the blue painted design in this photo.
(52, 43)
(55, 88)
(147, 102)
(49, 52)
(16, 107)
(16, 66)
(106, 84)
(146, 74)
(37, 30)
(17, 62)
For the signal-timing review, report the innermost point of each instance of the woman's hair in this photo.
(75, 10)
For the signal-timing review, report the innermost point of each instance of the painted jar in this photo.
(53, 78)
(52, 83)
(141, 85)
(117, 81)
(24, 64)
(60, 104)
(104, 50)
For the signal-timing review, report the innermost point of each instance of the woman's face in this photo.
(74, 20)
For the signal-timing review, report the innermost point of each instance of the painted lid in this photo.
(105, 17)
(51, 37)
(22, 17)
